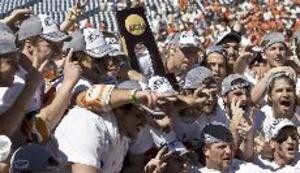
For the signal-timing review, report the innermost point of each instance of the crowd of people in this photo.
(71, 101)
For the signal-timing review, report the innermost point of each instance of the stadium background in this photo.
(98, 10)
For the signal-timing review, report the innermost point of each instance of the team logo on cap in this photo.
(21, 164)
(135, 24)
(48, 21)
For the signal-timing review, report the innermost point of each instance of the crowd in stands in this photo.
(71, 101)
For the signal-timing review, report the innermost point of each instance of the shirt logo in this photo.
(93, 36)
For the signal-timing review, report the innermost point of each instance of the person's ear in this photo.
(269, 100)
(29, 46)
(206, 151)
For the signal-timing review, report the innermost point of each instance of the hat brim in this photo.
(195, 46)
(229, 35)
(8, 51)
(104, 50)
(56, 36)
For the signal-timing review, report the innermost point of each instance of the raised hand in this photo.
(72, 70)
(81, 3)
(241, 122)
(17, 15)
(152, 98)
(158, 164)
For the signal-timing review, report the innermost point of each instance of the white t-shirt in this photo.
(8, 95)
(87, 138)
(271, 165)
(237, 166)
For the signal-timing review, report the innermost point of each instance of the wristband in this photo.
(133, 99)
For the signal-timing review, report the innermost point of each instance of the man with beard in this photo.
(244, 120)
(284, 143)
(218, 152)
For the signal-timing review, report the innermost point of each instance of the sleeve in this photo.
(81, 139)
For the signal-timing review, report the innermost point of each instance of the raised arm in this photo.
(53, 112)
(72, 16)
(258, 91)
(16, 16)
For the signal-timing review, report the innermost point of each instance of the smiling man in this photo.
(274, 49)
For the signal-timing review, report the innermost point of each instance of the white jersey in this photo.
(237, 166)
(87, 138)
(271, 165)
